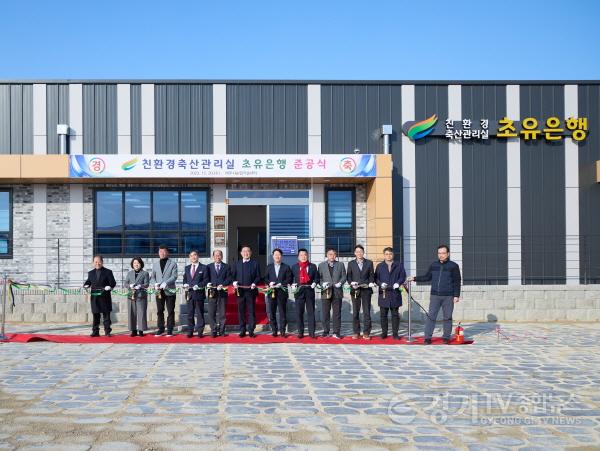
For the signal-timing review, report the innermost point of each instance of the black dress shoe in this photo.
(313, 336)
(159, 332)
(190, 334)
(140, 333)
(252, 335)
(95, 334)
(224, 335)
(107, 334)
(396, 337)
(200, 334)
(325, 334)
(283, 334)
(300, 336)
(214, 334)
(446, 341)
(275, 334)
(133, 333)
(242, 334)
(427, 341)
(383, 336)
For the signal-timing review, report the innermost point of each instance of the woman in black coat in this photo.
(389, 276)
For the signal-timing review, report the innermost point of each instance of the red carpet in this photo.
(231, 312)
(262, 338)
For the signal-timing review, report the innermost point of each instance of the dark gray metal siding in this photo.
(589, 189)
(267, 119)
(352, 115)
(183, 119)
(100, 119)
(543, 227)
(16, 119)
(136, 118)
(432, 192)
(57, 112)
(485, 227)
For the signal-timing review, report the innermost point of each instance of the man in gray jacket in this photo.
(332, 274)
(164, 275)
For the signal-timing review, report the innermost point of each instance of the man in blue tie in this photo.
(246, 276)
(218, 276)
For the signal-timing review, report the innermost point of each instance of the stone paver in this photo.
(527, 387)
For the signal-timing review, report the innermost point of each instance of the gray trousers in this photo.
(446, 303)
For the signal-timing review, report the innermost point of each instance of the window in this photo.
(340, 223)
(136, 222)
(5, 224)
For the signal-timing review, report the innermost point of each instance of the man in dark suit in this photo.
(390, 276)
(306, 278)
(278, 276)
(246, 276)
(361, 278)
(218, 276)
(332, 275)
(101, 281)
(193, 283)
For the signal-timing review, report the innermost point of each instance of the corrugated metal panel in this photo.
(485, 222)
(136, 119)
(432, 192)
(16, 119)
(57, 112)
(352, 115)
(99, 119)
(589, 189)
(543, 191)
(267, 119)
(183, 119)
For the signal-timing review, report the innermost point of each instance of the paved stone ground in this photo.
(535, 387)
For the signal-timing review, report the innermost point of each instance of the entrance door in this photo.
(248, 226)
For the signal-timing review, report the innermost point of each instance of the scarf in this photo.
(304, 279)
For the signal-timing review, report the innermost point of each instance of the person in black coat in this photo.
(361, 278)
(218, 276)
(306, 278)
(194, 277)
(246, 276)
(101, 282)
(390, 276)
(278, 276)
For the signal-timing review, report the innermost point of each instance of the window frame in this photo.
(353, 229)
(9, 249)
(123, 232)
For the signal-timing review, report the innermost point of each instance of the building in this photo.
(506, 173)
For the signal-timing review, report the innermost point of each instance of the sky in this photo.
(304, 40)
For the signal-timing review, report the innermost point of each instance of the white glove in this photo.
(278, 285)
(107, 288)
(137, 287)
(253, 286)
(325, 285)
(163, 286)
(209, 285)
(272, 284)
(86, 286)
(130, 285)
(220, 287)
(186, 286)
(294, 286)
(235, 284)
(156, 286)
(196, 287)
(313, 285)
(354, 284)
(396, 286)
(384, 285)
(338, 285)
(371, 285)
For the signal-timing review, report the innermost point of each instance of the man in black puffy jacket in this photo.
(445, 279)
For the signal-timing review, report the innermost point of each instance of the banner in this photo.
(226, 166)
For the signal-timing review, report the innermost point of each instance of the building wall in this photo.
(506, 207)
